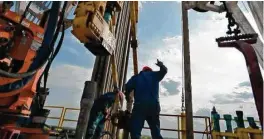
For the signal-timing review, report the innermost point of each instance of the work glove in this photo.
(159, 63)
(107, 114)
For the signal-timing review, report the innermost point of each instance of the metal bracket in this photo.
(244, 46)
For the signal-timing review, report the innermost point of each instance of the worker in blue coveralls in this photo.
(100, 113)
(146, 100)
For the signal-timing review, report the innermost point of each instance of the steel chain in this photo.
(231, 22)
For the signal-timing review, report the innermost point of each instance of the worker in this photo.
(146, 100)
(100, 112)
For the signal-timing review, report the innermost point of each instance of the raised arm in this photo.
(162, 72)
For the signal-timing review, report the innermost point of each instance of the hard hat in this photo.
(146, 68)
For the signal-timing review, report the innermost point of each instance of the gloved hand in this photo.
(159, 63)
(107, 114)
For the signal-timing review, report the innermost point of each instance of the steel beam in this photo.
(187, 74)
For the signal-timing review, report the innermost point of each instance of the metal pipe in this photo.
(108, 82)
(187, 74)
(86, 106)
(124, 50)
(124, 57)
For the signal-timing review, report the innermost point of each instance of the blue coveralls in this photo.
(146, 105)
(97, 115)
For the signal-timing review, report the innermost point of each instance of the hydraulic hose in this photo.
(47, 39)
(45, 50)
(60, 24)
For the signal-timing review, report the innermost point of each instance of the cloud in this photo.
(246, 83)
(171, 86)
(74, 39)
(225, 99)
(216, 72)
(140, 5)
(242, 93)
(203, 112)
(72, 50)
(66, 84)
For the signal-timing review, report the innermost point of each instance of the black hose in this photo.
(39, 60)
(46, 70)
(52, 58)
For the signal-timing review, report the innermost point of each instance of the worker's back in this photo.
(146, 85)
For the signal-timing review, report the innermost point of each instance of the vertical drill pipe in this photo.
(187, 74)
(127, 59)
(115, 80)
(117, 35)
(105, 74)
(86, 106)
(124, 66)
(120, 46)
(124, 51)
(113, 63)
(98, 71)
(126, 133)
(117, 30)
(114, 71)
(124, 57)
(135, 60)
(102, 74)
(121, 38)
(123, 45)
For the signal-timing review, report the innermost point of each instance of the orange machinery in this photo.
(20, 44)
(25, 47)
(18, 57)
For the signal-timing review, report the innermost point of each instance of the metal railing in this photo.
(206, 131)
(62, 118)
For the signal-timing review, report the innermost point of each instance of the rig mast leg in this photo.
(187, 74)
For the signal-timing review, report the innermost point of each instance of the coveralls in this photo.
(146, 101)
(97, 115)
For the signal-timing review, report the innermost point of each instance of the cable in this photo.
(46, 70)
(6, 88)
(55, 54)
(40, 60)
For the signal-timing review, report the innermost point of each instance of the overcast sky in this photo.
(219, 75)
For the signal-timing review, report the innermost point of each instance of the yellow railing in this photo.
(62, 115)
(206, 131)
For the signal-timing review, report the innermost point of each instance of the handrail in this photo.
(207, 130)
(64, 110)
